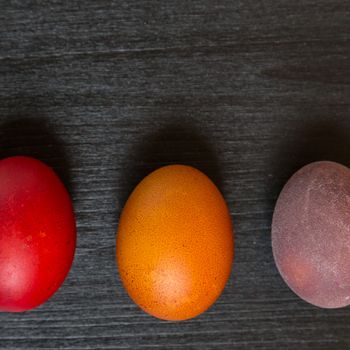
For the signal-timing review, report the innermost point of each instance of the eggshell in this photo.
(311, 234)
(37, 233)
(175, 243)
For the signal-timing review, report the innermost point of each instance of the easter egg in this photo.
(174, 247)
(311, 234)
(37, 233)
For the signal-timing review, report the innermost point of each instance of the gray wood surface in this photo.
(105, 91)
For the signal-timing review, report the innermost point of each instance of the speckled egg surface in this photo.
(311, 234)
(175, 243)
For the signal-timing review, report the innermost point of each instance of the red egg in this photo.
(37, 233)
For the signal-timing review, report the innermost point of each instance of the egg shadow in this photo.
(34, 137)
(172, 144)
(312, 141)
(308, 141)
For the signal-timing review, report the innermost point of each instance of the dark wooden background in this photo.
(106, 91)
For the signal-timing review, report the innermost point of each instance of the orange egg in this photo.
(175, 243)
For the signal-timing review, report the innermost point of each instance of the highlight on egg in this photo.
(174, 245)
(37, 233)
(311, 234)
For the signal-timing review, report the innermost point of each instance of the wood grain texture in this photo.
(105, 91)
